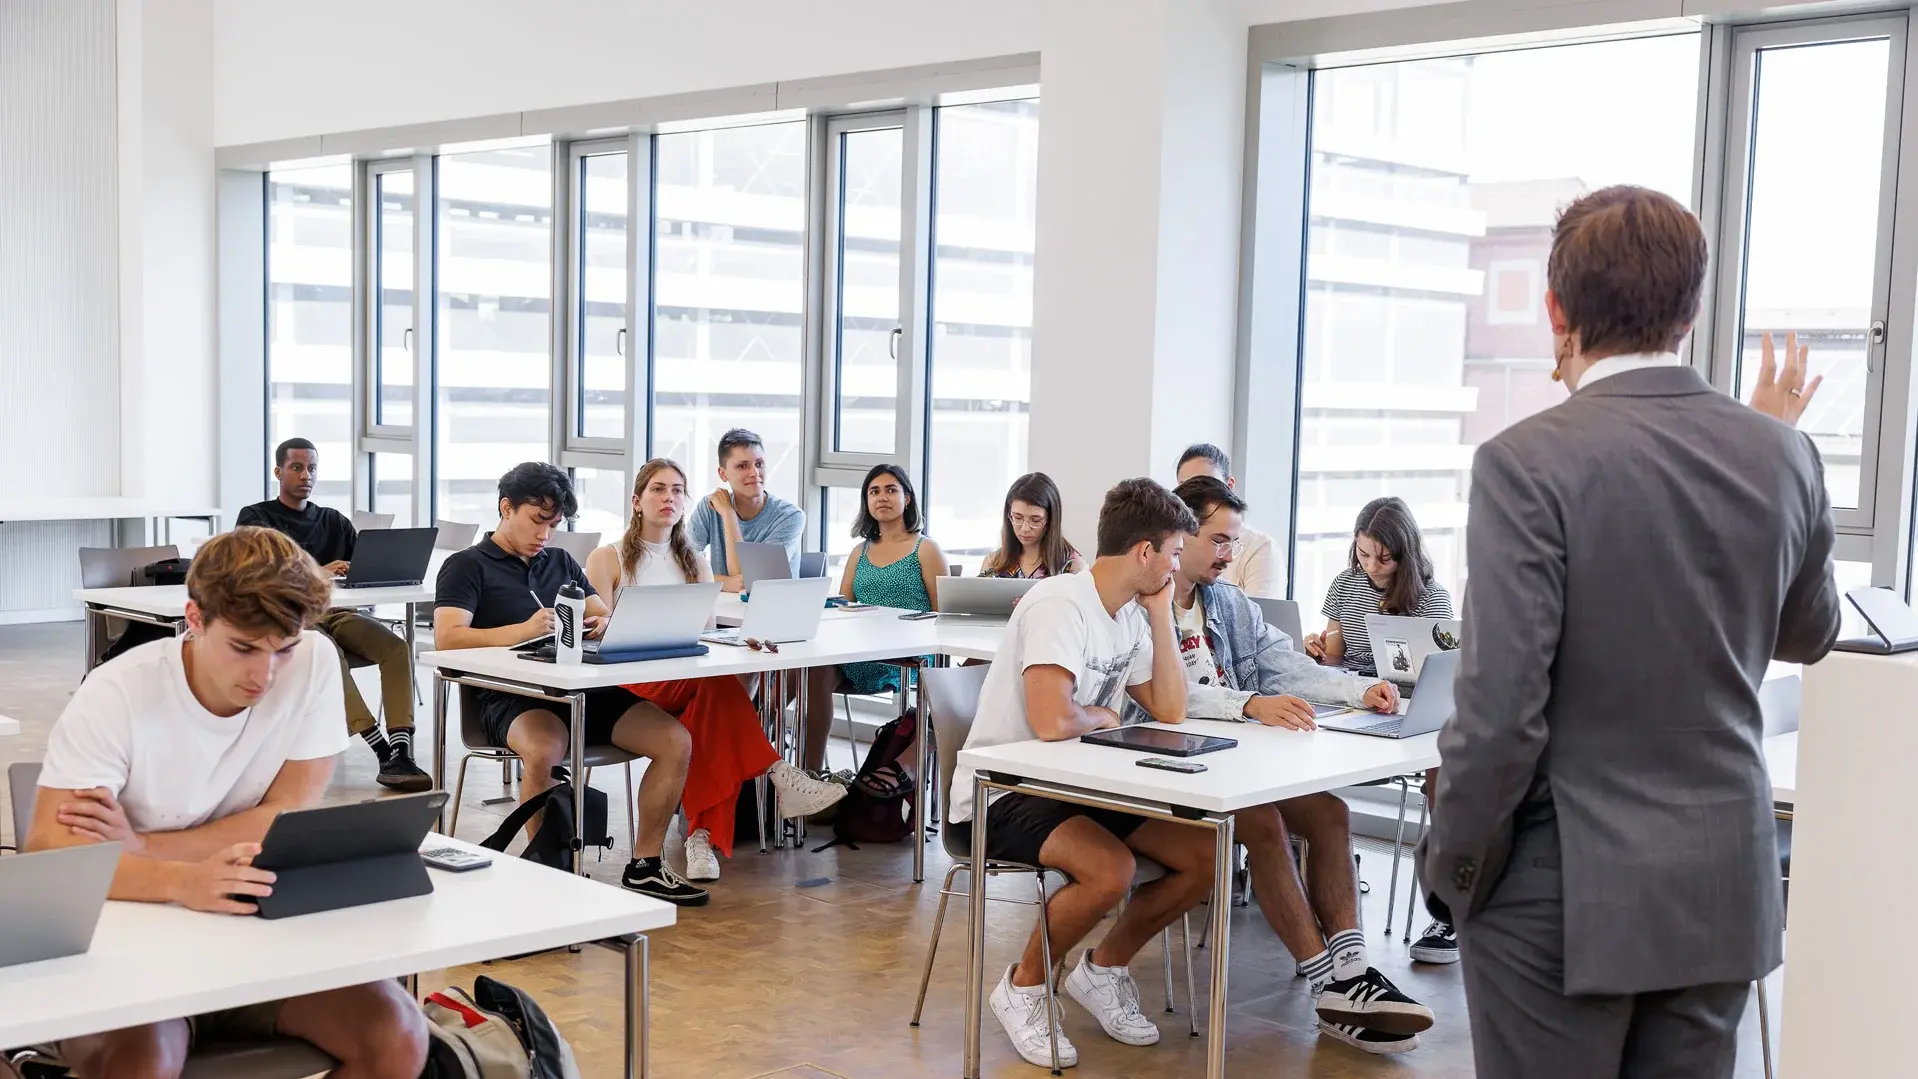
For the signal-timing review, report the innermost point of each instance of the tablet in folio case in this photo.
(1158, 740)
(347, 856)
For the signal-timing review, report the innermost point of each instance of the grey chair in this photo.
(812, 563)
(1283, 615)
(113, 567)
(287, 1058)
(577, 544)
(950, 696)
(363, 520)
(22, 780)
(477, 745)
(454, 536)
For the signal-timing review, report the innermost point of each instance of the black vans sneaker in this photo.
(1438, 944)
(653, 877)
(1366, 1040)
(1373, 1002)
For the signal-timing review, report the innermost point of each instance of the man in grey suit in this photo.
(1602, 828)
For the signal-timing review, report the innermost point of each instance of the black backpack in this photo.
(552, 844)
(880, 807)
(165, 571)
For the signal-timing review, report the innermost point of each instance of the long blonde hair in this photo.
(631, 547)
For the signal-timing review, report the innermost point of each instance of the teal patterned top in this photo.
(901, 584)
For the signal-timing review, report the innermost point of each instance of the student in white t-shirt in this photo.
(183, 751)
(1077, 646)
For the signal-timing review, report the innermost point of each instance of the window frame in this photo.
(572, 449)
(415, 439)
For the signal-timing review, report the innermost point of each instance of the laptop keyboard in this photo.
(1380, 726)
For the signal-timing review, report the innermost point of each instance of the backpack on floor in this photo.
(552, 844)
(879, 807)
(496, 1032)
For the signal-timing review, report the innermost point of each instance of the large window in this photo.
(985, 184)
(599, 333)
(1434, 186)
(495, 323)
(395, 239)
(729, 286)
(866, 218)
(309, 319)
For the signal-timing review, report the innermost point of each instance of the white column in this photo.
(1135, 299)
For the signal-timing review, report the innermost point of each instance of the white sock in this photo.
(1349, 959)
(1317, 971)
(1023, 990)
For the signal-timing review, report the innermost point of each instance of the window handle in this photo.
(892, 341)
(619, 342)
(406, 339)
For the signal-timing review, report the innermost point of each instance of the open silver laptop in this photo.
(763, 562)
(1401, 645)
(1427, 711)
(52, 901)
(981, 599)
(780, 611)
(658, 616)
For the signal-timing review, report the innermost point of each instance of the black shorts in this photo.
(498, 710)
(1018, 825)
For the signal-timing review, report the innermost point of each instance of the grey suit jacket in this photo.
(1637, 555)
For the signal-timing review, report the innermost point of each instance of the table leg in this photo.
(94, 621)
(576, 707)
(920, 803)
(440, 691)
(639, 1007)
(976, 930)
(1221, 947)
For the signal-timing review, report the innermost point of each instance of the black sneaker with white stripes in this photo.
(652, 876)
(1438, 944)
(1372, 1001)
(1366, 1040)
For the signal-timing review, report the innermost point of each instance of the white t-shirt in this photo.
(658, 566)
(1062, 622)
(135, 728)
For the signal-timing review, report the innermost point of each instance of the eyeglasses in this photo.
(1233, 547)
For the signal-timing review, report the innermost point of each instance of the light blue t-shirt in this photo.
(779, 521)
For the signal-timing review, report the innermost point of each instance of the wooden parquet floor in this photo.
(805, 964)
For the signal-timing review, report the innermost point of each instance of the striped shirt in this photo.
(1353, 596)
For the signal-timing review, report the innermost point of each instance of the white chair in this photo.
(22, 779)
(363, 520)
(473, 736)
(951, 697)
(577, 544)
(454, 535)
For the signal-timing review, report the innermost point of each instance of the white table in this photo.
(9, 727)
(1269, 764)
(152, 962)
(165, 606)
(1781, 760)
(154, 514)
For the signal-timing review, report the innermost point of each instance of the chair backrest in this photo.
(112, 567)
(1283, 615)
(472, 734)
(23, 778)
(812, 563)
(363, 520)
(577, 544)
(954, 569)
(454, 536)
(950, 696)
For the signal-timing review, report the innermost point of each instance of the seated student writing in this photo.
(893, 565)
(1077, 646)
(743, 511)
(1388, 573)
(729, 745)
(327, 535)
(1032, 540)
(500, 592)
(1237, 667)
(1256, 570)
(183, 751)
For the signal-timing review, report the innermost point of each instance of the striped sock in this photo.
(401, 739)
(1349, 959)
(1317, 971)
(377, 740)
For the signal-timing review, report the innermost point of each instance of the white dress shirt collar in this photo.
(1613, 365)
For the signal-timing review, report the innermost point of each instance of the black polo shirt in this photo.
(497, 587)
(321, 531)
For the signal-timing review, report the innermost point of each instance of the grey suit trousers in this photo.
(1523, 1024)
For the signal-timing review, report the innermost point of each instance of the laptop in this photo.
(763, 562)
(1428, 710)
(658, 621)
(1400, 645)
(53, 901)
(390, 557)
(347, 855)
(1894, 626)
(781, 611)
(981, 599)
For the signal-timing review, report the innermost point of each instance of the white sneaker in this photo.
(702, 862)
(1022, 1012)
(800, 795)
(1112, 997)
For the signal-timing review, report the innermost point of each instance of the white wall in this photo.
(286, 70)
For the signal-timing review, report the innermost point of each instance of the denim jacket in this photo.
(1258, 660)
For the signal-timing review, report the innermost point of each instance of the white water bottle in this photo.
(569, 623)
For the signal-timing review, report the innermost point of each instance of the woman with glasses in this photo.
(1032, 540)
(1389, 573)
